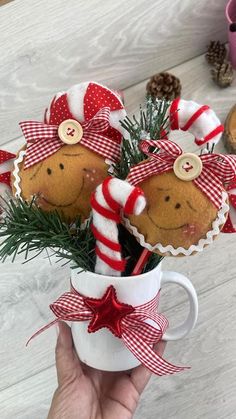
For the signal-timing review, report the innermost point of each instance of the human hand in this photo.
(86, 393)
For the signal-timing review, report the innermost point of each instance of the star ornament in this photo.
(108, 312)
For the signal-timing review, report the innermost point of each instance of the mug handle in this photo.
(169, 277)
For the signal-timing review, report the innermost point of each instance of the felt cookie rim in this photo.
(219, 221)
(17, 180)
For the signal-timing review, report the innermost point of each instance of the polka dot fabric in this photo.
(97, 97)
(5, 178)
(230, 225)
(5, 156)
(59, 110)
(232, 200)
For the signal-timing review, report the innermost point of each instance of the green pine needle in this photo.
(152, 123)
(26, 228)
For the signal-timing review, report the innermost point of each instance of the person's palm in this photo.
(87, 393)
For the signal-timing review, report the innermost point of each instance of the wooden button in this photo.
(188, 166)
(70, 131)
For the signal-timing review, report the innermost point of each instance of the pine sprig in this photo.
(153, 122)
(26, 228)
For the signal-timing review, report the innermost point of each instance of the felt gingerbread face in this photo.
(186, 201)
(64, 181)
(69, 154)
(177, 212)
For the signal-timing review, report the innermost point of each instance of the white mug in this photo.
(103, 350)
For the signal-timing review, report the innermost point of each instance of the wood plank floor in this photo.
(207, 391)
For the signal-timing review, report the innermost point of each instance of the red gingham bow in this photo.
(138, 336)
(218, 169)
(230, 225)
(43, 140)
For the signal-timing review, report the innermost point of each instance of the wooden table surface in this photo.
(207, 390)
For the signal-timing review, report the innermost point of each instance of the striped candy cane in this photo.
(200, 120)
(109, 198)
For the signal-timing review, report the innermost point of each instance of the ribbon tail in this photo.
(147, 356)
(42, 330)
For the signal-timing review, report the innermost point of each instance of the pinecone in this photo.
(164, 86)
(216, 52)
(223, 74)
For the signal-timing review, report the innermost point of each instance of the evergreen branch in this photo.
(153, 122)
(26, 228)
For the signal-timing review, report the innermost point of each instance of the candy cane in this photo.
(199, 120)
(109, 198)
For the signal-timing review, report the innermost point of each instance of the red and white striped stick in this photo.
(145, 255)
(108, 200)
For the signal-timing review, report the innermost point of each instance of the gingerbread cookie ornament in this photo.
(187, 204)
(68, 155)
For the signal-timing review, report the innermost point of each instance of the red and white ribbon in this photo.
(43, 140)
(138, 336)
(217, 170)
(230, 225)
(109, 198)
(200, 120)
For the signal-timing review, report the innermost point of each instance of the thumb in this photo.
(67, 362)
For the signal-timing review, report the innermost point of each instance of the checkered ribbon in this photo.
(43, 140)
(138, 336)
(218, 169)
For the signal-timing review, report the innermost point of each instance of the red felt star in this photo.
(107, 312)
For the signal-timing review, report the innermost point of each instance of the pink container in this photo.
(230, 13)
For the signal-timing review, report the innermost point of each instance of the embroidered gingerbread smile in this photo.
(49, 171)
(164, 228)
(167, 198)
(53, 204)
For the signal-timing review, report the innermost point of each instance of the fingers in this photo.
(67, 362)
(141, 375)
